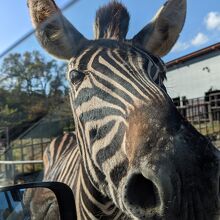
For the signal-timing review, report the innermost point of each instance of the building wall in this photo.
(194, 77)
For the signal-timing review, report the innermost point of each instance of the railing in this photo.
(204, 114)
(8, 171)
(24, 155)
(22, 158)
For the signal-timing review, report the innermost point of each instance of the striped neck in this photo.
(92, 204)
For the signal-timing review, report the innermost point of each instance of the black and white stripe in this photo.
(117, 81)
(127, 159)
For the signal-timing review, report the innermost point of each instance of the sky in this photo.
(202, 26)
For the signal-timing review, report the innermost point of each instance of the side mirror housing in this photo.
(42, 199)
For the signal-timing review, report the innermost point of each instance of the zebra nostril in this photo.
(142, 192)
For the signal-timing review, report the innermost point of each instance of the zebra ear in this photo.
(54, 32)
(159, 36)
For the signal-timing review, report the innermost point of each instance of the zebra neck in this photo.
(92, 204)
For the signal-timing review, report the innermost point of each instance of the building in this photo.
(193, 82)
(194, 74)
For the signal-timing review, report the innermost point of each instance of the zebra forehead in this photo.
(105, 46)
(120, 62)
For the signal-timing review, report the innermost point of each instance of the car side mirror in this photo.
(41, 201)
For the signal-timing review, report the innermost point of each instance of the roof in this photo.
(195, 54)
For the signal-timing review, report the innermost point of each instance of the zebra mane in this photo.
(112, 21)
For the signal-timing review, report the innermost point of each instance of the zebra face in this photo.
(114, 91)
(136, 148)
(133, 141)
(110, 88)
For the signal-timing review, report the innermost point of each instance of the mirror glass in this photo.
(29, 204)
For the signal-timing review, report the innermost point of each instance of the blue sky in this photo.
(202, 27)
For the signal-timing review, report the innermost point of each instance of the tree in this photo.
(31, 73)
(58, 85)
(30, 86)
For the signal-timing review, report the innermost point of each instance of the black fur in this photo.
(112, 21)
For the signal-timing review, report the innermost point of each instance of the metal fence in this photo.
(22, 159)
(23, 156)
(203, 113)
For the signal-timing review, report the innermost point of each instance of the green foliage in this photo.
(30, 86)
(31, 73)
(7, 114)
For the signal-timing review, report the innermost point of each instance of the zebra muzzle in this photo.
(145, 196)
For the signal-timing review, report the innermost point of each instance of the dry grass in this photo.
(208, 128)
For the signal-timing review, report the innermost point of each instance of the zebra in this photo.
(133, 156)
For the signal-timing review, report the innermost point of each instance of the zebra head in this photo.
(136, 148)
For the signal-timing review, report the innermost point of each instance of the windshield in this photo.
(39, 92)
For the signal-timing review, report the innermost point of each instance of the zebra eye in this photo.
(76, 76)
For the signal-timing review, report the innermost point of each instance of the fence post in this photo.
(32, 153)
(8, 168)
(210, 112)
(22, 154)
